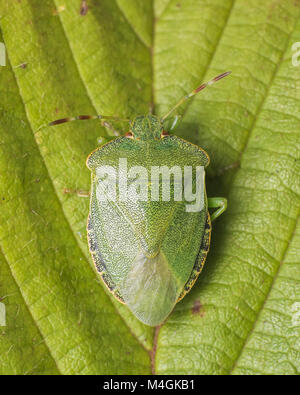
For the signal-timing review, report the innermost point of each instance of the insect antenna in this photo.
(195, 91)
(85, 117)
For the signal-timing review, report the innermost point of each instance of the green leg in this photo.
(219, 203)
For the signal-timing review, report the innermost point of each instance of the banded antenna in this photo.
(85, 117)
(194, 92)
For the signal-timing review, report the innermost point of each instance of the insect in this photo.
(149, 252)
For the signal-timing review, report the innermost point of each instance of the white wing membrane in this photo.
(149, 290)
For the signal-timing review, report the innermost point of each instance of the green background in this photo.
(243, 314)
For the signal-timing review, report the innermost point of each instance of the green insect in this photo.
(149, 251)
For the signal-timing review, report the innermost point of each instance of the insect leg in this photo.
(219, 203)
(77, 192)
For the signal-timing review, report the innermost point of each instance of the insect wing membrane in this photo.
(149, 289)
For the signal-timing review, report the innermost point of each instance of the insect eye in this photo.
(129, 135)
(164, 133)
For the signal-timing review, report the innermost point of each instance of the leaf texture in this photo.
(124, 58)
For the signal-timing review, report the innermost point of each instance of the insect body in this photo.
(148, 238)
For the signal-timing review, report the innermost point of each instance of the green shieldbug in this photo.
(149, 251)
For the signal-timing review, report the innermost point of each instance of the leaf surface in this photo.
(124, 58)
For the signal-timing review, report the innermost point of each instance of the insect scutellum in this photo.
(145, 127)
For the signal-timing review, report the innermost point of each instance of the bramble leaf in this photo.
(124, 58)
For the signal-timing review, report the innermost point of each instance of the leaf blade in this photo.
(101, 62)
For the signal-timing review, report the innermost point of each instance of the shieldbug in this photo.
(149, 248)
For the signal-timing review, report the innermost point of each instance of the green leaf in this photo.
(243, 314)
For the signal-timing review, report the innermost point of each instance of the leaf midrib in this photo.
(212, 56)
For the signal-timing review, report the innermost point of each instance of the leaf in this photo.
(242, 316)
